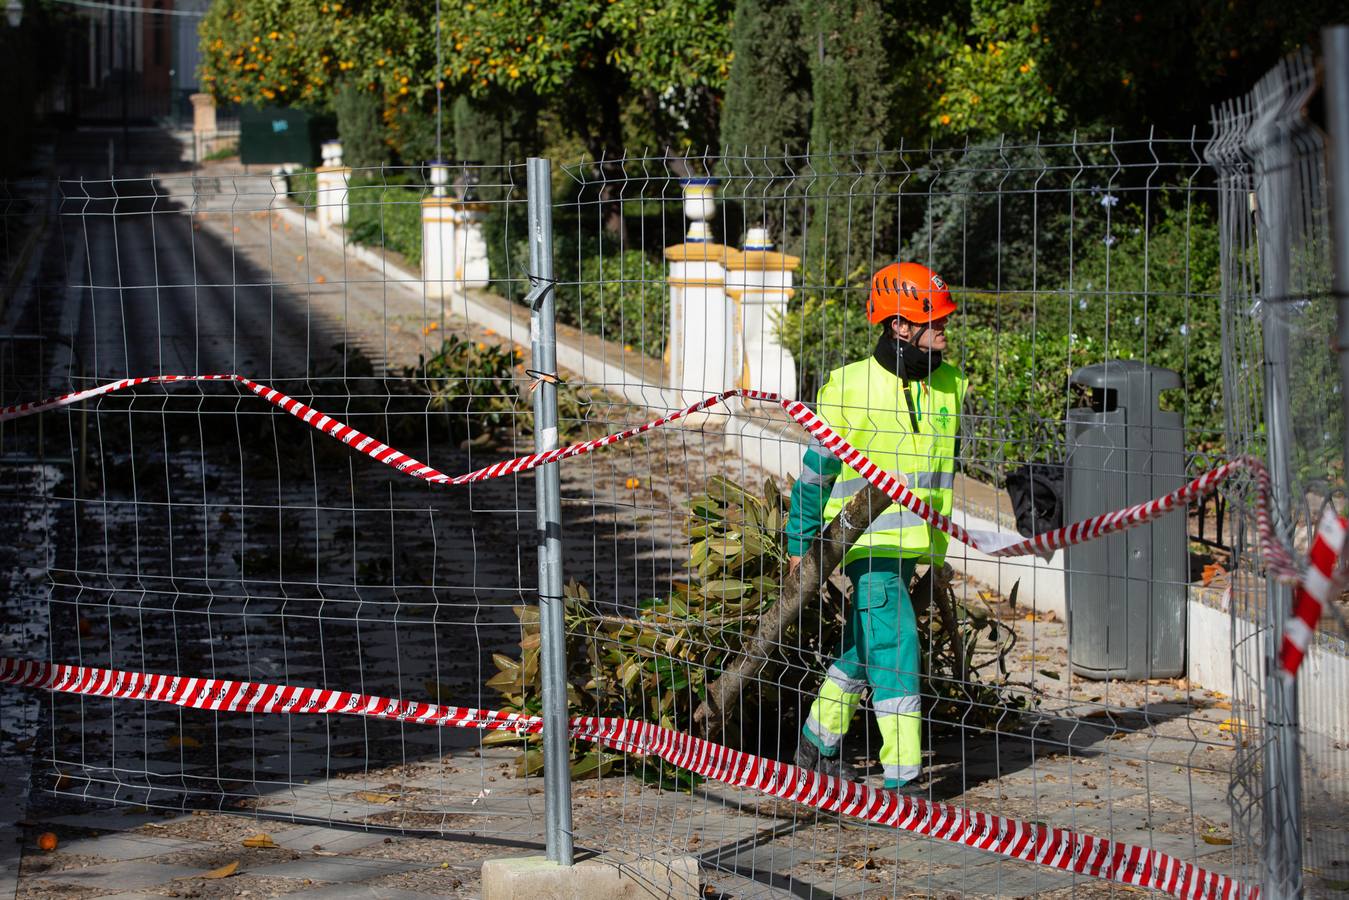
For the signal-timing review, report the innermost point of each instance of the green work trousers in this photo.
(880, 650)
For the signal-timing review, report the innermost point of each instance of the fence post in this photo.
(1271, 152)
(1335, 41)
(548, 496)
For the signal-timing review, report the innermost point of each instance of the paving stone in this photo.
(357, 892)
(335, 839)
(125, 846)
(335, 869)
(120, 875)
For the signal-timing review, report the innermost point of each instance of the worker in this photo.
(901, 407)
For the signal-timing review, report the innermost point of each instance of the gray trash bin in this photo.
(1127, 592)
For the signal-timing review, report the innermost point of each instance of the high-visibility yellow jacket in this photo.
(910, 431)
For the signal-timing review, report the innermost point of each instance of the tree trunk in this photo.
(935, 587)
(799, 588)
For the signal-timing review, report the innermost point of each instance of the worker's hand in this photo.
(793, 563)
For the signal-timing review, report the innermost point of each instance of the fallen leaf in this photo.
(1223, 704)
(261, 841)
(224, 871)
(183, 740)
(1050, 673)
(1232, 724)
(1216, 839)
(376, 797)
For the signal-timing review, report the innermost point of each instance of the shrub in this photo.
(386, 214)
(303, 188)
(620, 298)
(358, 125)
(1149, 293)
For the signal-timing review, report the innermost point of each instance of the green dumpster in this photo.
(275, 135)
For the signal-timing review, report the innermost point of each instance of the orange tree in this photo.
(596, 65)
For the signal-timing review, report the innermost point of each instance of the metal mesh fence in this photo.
(1062, 255)
(194, 530)
(1283, 398)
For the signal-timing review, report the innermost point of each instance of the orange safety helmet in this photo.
(911, 291)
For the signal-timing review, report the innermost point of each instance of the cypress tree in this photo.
(850, 45)
(767, 103)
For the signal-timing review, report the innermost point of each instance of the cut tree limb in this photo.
(800, 587)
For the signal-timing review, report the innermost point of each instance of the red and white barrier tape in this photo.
(1032, 842)
(1278, 561)
(1314, 591)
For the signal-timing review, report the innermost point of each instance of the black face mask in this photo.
(905, 361)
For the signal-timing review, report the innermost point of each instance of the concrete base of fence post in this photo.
(438, 239)
(530, 877)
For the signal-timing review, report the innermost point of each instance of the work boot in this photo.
(808, 756)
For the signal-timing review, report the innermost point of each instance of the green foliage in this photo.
(767, 105)
(226, 151)
(1152, 288)
(656, 664)
(593, 60)
(480, 385)
(359, 126)
(998, 216)
(303, 188)
(386, 214)
(622, 298)
(853, 97)
(852, 86)
(988, 74)
(1145, 285)
(473, 382)
(495, 130)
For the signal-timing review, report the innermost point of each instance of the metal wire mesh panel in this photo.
(687, 276)
(192, 532)
(1283, 398)
(1113, 317)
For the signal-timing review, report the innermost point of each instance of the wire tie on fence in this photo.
(541, 378)
(538, 290)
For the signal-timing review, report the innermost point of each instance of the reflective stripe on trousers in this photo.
(901, 724)
(880, 648)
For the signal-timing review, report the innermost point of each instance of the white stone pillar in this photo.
(438, 239)
(759, 284)
(438, 234)
(469, 262)
(332, 179)
(280, 185)
(701, 329)
(203, 114)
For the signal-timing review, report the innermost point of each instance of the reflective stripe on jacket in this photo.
(872, 410)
